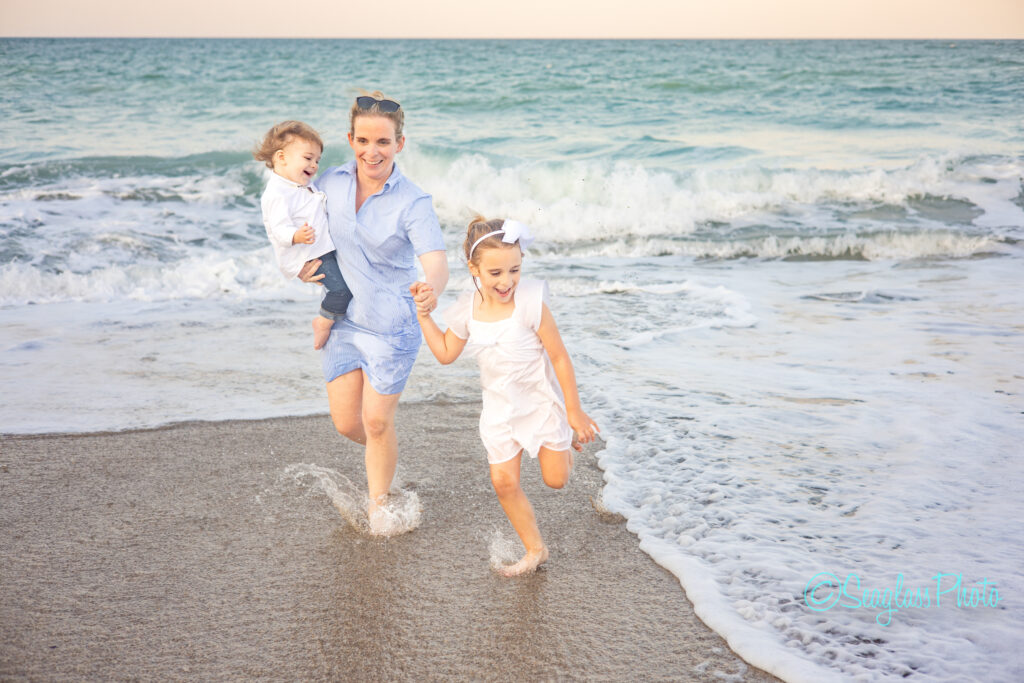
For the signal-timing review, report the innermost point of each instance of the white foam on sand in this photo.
(870, 435)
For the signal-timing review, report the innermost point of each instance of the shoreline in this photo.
(187, 551)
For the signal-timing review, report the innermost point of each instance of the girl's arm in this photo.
(552, 341)
(446, 346)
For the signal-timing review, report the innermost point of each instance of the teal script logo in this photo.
(825, 591)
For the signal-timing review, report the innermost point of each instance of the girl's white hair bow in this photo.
(513, 230)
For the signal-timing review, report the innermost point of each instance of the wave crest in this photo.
(594, 200)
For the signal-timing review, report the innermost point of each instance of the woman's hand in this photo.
(423, 295)
(584, 427)
(307, 270)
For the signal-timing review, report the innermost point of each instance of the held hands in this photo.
(304, 235)
(423, 295)
(584, 427)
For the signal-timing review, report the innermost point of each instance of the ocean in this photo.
(789, 274)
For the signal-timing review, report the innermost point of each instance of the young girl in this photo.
(529, 387)
(295, 216)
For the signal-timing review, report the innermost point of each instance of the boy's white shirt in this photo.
(286, 206)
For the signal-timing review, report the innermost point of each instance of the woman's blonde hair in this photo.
(280, 135)
(478, 227)
(396, 117)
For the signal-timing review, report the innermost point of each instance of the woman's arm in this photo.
(435, 274)
(552, 341)
(446, 346)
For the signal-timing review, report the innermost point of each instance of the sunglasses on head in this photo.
(386, 106)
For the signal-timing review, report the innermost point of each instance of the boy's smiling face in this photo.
(298, 160)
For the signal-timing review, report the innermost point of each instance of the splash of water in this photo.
(504, 551)
(400, 513)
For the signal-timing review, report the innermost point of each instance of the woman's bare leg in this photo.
(345, 398)
(366, 417)
(378, 417)
(505, 479)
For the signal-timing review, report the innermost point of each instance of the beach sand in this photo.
(188, 552)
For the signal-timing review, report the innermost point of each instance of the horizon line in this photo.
(548, 38)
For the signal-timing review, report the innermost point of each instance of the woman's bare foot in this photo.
(531, 560)
(321, 331)
(378, 518)
(393, 514)
(379, 521)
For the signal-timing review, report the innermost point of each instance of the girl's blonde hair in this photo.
(396, 117)
(478, 227)
(280, 135)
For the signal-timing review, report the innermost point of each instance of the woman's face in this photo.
(375, 145)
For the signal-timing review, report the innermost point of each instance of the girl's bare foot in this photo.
(321, 331)
(531, 560)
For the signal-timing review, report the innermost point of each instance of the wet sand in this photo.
(186, 553)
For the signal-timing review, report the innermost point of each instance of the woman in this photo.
(381, 222)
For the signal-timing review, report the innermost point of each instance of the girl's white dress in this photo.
(523, 404)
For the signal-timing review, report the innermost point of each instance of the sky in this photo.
(958, 19)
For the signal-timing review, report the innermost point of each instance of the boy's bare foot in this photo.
(321, 331)
(531, 560)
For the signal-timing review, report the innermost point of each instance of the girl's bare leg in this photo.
(505, 479)
(555, 466)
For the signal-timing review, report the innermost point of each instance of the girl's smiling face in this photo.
(498, 271)
(375, 145)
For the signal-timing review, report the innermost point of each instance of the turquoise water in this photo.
(788, 272)
(666, 104)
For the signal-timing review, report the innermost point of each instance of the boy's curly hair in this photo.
(279, 136)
